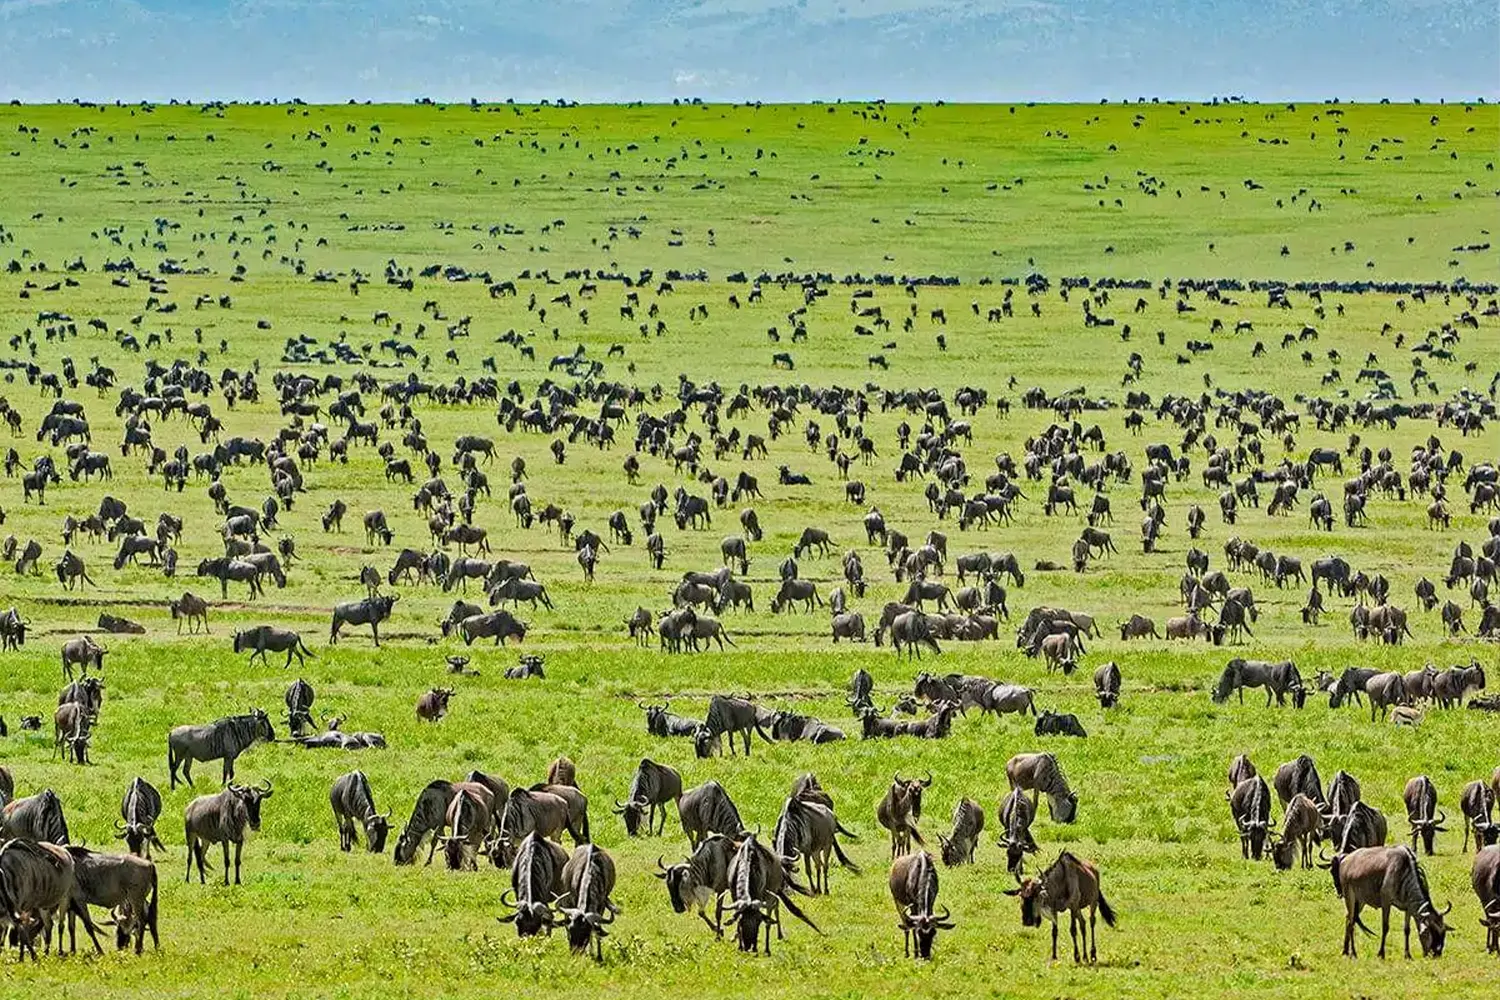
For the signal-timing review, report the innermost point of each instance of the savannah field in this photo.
(256, 202)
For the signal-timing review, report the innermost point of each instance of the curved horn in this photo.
(896, 778)
(1446, 910)
(267, 783)
(120, 828)
(508, 892)
(928, 782)
(661, 862)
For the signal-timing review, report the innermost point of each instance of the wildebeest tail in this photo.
(792, 907)
(839, 828)
(844, 858)
(763, 734)
(304, 649)
(1106, 911)
(915, 833)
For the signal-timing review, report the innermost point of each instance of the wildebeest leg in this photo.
(1385, 927)
(225, 845)
(1406, 932)
(228, 769)
(1092, 934)
(1074, 920)
(1054, 937)
(375, 631)
(82, 911)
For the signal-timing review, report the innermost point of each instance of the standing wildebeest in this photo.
(1299, 776)
(139, 811)
(263, 639)
(914, 889)
(707, 810)
(1107, 684)
(1041, 774)
(1477, 803)
(353, 802)
(84, 652)
(1350, 686)
(1067, 884)
(812, 538)
(123, 884)
(224, 569)
(1138, 627)
(1384, 691)
(299, 699)
(224, 739)
(36, 879)
(427, 817)
(370, 611)
(192, 608)
(758, 888)
(1016, 815)
(37, 817)
(968, 823)
(470, 817)
(1250, 804)
(500, 625)
(899, 811)
(222, 819)
(653, 786)
(732, 716)
(701, 879)
(1301, 827)
(1422, 813)
(1387, 877)
(585, 908)
(536, 879)
(1485, 878)
(804, 591)
(1454, 684)
(1279, 680)
(810, 829)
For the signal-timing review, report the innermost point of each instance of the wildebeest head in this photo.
(748, 915)
(377, 829)
(1432, 930)
(252, 796)
(582, 926)
(239, 637)
(406, 846)
(704, 742)
(632, 812)
(1063, 807)
(530, 917)
(263, 729)
(924, 928)
(1032, 895)
(137, 835)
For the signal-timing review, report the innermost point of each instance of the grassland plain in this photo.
(286, 192)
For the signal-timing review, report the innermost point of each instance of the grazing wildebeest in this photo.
(501, 625)
(470, 817)
(37, 880)
(427, 817)
(1051, 723)
(1422, 813)
(224, 569)
(1279, 680)
(812, 538)
(653, 786)
(914, 889)
(1477, 803)
(732, 716)
(584, 906)
(759, 884)
(810, 830)
(701, 879)
(708, 810)
(222, 819)
(139, 811)
(354, 806)
(1250, 805)
(1387, 877)
(1384, 691)
(1298, 776)
(1041, 774)
(968, 823)
(37, 817)
(1301, 827)
(1107, 684)
(1016, 815)
(1485, 877)
(263, 639)
(899, 811)
(369, 611)
(1067, 884)
(536, 879)
(123, 884)
(1138, 627)
(224, 739)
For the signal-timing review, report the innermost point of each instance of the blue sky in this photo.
(612, 50)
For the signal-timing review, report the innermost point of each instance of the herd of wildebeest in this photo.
(694, 432)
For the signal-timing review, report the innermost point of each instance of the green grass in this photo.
(943, 184)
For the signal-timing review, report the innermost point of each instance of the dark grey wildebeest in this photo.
(139, 811)
(914, 889)
(653, 786)
(1107, 684)
(36, 879)
(353, 808)
(121, 883)
(732, 716)
(968, 823)
(701, 879)
(1279, 680)
(497, 625)
(1041, 774)
(370, 611)
(263, 639)
(1016, 815)
(299, 701)
(536, 879)
(584, 907)
(224, 739)
(223, 819)
(427, 818)
(36, 817)
(82, 652)
(1299, 776)
(1387, 877)
(1250, 805)
(1422, 814)
(759, 883)
(707, 810)
(810, 829)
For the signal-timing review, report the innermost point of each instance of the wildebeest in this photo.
(1250, 805)
(263, 639)
(959, 844)
(536, 879)
(433, 704)
(1067, 884)
(1298, 776)
(1422, 813)
(653, 786)
(123, 884)
(427, 817)
(139, 811)
(1041, 774)
(914, 889)
(810, 829)
(732, 716)
(548, 809)
(1485, 877)
(469, 819)
(758, 888)
(369, 611)
(37, 880)
(193, 609)
(1058, 724)
(1387, 877)
(1477, 803)
(899, 811)
(585, 908)
(222, 819)
(353, 803)
(1016, 815)
(499, 625)
(1107, 684)
(701, 879)
(84, 652)
(1279, 680)
(224, 739)
(707, 810)
(36, 817)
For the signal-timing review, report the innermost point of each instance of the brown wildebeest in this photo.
(1387, 877)
(433, 704)
(899, 811)
(1067, 884)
